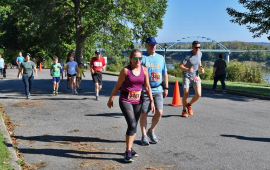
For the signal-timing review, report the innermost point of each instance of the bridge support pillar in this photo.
(227, 57)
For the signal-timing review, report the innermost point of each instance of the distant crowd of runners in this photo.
(143, 84)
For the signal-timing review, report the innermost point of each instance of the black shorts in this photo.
(72, 75)
(97, 78)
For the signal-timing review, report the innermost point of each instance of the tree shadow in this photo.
(247, 138)
(69, 153)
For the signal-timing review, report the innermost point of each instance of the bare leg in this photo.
(57, 86)
(198, 94)
(156, 118)
(185, 97)
(143, 123)
(54, 85)
(129, 141)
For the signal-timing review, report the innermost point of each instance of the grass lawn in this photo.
(4, 154)
(252, 88)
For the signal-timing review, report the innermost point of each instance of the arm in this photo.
(66, 70)
(78, 71)
(51, 71)
(35, 70)
(120, 81)
(201, 67)
(166, 81)
(214, 71)
(148, 89)
(183, 68)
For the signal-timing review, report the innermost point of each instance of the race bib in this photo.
(155, 77)
(196, 79)
(134, 95)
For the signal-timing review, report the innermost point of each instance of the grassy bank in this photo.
(4, 153)
(252, 88)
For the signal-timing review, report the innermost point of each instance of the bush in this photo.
(244, 72)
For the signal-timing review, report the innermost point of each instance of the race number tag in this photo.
(196, 79)
(155, 77)
(134, 95)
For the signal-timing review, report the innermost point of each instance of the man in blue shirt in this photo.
(19, 60)
(157, 69)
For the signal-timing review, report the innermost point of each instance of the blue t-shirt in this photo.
(2, 63)
(20, 59)
(156, 67)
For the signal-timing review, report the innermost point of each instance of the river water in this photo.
(266, 76)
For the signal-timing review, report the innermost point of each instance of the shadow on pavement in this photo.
(247, 138)
(71, 154)
(115, 115)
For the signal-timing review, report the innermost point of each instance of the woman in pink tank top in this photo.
(132, 78)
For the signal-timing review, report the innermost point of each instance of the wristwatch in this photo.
(166, 88)
(151, 101)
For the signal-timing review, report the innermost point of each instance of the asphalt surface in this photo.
(76, 132)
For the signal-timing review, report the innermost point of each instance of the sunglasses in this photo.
(137, 58)
(197, 47)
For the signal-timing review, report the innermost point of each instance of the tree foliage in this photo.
(257, 17)
(53, 27)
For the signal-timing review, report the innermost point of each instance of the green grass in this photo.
(252, 88)
(4, 155)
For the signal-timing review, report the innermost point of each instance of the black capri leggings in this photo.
(132, 113)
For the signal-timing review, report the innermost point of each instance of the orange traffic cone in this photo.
(40, 67)
(176, 101)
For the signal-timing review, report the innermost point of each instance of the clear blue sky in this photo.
(206, 18)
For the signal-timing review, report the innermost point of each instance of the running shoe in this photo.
(213, 90)
(190, 111)
(67, 89)
(128, 156)
(152, 136)
(53, 92)
(28, 97)
(184, 114)
(56, 93)
(144, 141)
(97, 99)
(75, 92)
(79, 89)
(224, 91)
(133, 153)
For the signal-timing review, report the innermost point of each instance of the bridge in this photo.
(185, 44)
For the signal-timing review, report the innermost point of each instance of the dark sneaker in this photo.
(184, 114)
(97, 99)
(152, 136)
(224, 91)
(213, 90)
(144, 141)
(133, 153)
(190, 111)
(128, 156)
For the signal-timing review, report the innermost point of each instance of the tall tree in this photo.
(257, 17)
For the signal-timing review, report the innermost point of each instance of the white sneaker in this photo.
(75, 92)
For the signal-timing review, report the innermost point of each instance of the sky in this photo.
(206, 18)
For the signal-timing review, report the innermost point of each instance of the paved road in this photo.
(75, 132)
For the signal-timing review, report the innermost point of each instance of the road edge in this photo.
(13, 157)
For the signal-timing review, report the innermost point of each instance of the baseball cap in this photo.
(150, 40)
(97, 52)
(28, 54)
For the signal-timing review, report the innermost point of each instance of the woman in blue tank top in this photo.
(132, 78)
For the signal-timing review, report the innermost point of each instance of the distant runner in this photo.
(97, 65)
(55, 73)
(19, 60)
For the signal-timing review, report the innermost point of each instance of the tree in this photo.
(114, 24)
(257, 18)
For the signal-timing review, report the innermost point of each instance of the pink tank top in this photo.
(131, 90)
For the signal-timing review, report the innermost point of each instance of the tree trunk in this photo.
(79, 37)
